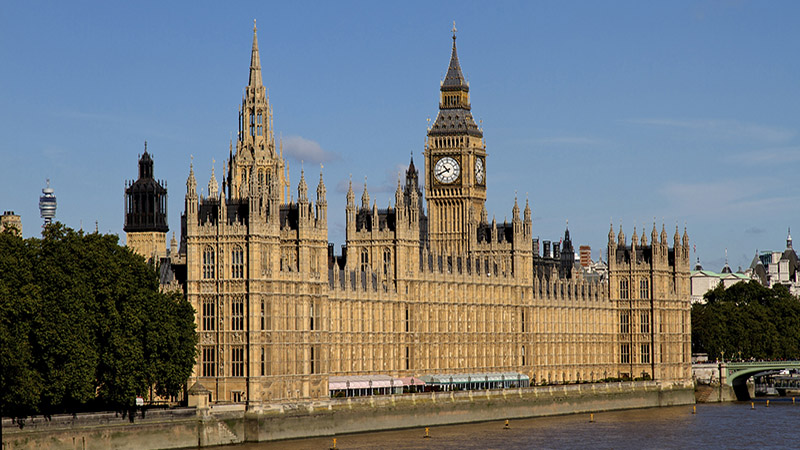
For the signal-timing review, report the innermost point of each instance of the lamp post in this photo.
(722, 361)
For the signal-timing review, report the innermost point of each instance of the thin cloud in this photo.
(755, 230)
(302, 149)
(723, 129)
(388, 183)
(769, 156)
(741, 196)
(569, 140)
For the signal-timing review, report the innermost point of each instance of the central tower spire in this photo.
(255, 162)
(255, 61)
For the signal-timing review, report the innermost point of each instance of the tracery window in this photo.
(237, 361)
(645, 353)
(625, 353)
(624, 322)
(623, 288)
(387, 262)
(644, 288)
(237, 314)
(209, 316)
(364, 260)
(208, 262)
(237, 262)
(644, 323)
(209, 362)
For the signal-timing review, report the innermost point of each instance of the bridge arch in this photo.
(738, 373)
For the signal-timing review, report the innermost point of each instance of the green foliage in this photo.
(747, 320)
(83, 324)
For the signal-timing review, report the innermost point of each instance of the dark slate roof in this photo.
(289, 216)
(386, 219)
(454, 80)
(505, 232)
(455, 121)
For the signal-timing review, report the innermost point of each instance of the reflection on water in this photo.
(729, 425)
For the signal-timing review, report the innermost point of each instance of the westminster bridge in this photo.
(735, 374)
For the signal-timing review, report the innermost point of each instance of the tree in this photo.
(748, 319)
(83, 325)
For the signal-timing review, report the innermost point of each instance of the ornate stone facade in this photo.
(412, 293)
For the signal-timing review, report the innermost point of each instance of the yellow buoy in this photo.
(767, 403)
(694, 409)
(334, 445)
(591, 417)
(506, 426)
(426, 433)
(752, 405)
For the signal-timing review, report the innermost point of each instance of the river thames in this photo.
(723, 426)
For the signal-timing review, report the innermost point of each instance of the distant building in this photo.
(47, 204)
(11, 221)
(771, 268)
(586, 255)
(706, 280)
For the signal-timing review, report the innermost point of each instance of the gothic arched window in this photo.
(387, 262)
(237, 262)
(623, 289)
(364, 260)
(208, 262)
(644, 288)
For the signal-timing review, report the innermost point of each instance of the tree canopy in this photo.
(83, 325)
(747, 320)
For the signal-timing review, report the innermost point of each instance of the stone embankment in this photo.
(228, 424)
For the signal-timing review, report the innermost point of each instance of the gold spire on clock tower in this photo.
(455, 165)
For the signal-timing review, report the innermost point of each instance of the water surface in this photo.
(715, 426)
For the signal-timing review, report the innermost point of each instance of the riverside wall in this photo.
(229, 424)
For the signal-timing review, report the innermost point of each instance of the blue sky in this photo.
(686, 112)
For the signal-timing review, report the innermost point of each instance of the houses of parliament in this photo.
(415, 291)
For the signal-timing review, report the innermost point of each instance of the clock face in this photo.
(446, 170)
(480, 171)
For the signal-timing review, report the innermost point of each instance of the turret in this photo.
(516, 222)
(365, 196)
(213, 186)
(685, 245)
(191, 195)
(611, 236)
(302, 198)
(322, 202)
(527, 223)
(612, 245)
(654, 235)
(400, 207)
(350, 209)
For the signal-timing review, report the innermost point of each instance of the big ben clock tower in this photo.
(455, 166)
